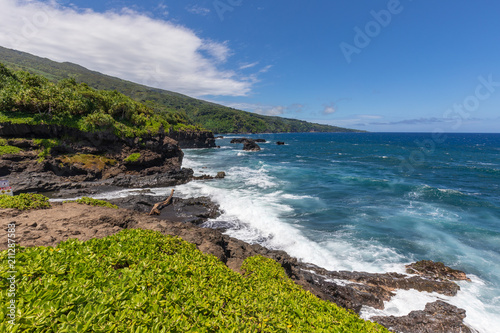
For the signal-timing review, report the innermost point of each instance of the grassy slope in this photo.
(217, 118)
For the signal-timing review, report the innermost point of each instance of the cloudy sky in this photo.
(392, 65)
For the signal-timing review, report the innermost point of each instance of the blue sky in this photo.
(418, 66)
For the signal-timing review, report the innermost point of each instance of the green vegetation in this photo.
(88, 161)
(6, 149)
(133, 157)
(9, 150)
(214, 117)
(94, 202)
(24, 201)
(143, 281)
(46, 145)
(33, 99)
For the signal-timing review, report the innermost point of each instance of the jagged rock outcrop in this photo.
(437, 317)
(193, 139)
(436, 271)
(248, 144)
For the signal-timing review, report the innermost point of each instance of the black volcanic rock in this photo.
(280, 143)
(101, 157)
(194, 139)
(438, 317)
(239, 140)
(250, 145)
(192, 210)
(436, 271)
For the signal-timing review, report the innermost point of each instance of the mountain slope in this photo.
(214, 117)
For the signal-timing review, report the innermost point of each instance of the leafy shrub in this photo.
(24, 201)
(94, 202)
(143, 281)
(133, 157)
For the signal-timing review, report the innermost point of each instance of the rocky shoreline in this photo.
(184, 218)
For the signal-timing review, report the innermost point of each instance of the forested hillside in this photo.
(214, 117)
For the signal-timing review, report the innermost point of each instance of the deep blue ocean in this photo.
(370, 202)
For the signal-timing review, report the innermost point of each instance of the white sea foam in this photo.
(480, 317)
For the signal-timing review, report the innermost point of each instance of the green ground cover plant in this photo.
(6, 149)
(94, 202)
(46, 145)
(133, 157)
(143, 281)
(24, 201)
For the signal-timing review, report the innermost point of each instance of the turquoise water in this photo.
(371, 202)
(368, 202)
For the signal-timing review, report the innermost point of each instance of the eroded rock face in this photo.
(81, 159)
(436, 271)
(438, 317)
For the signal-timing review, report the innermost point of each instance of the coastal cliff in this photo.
(52, 157)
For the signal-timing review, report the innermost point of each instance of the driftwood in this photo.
(160, 205)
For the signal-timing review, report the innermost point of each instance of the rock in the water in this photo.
(220, 175)
(250, 145)
(260, 140)
(280, 143)
(239, 140)
(436, 271)
(438, 317)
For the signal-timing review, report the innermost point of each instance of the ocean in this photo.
(368, 202)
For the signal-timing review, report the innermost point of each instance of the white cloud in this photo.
(267, 110)
(125, 44)
(273, 111)
(245, 66)
(330, 108)
(196, 9)
(266, 69)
